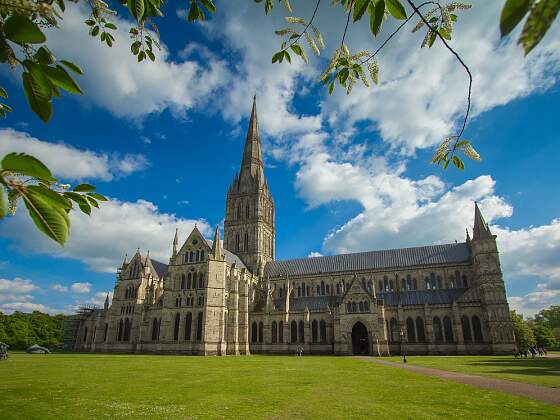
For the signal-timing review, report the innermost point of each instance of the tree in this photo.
(543, 336)
(21, 330)
(524, 336)
(23, 45)
(549, 317)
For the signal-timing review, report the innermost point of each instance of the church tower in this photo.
(491, 288)
(249, 222)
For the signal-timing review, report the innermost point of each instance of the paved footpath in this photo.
(535, 392)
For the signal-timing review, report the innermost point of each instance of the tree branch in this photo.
(462, 64)
(306, 27)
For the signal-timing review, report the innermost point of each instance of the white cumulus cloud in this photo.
(69, 162)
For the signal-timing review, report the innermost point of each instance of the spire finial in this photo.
(106, 305)
(480, 229)
(216, 245)
(175, 242)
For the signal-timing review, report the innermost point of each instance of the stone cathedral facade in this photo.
(215, 298)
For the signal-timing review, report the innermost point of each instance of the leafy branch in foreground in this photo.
(541, 15)
(25, 178)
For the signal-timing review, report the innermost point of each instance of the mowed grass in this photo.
(539, 371)
(143, 386)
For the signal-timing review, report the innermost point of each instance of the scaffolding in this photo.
(72, 324)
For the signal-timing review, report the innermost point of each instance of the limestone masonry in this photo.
(235, 298)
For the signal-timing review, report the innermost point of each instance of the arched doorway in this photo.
(360, 342)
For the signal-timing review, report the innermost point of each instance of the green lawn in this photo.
(540, 371)
(141, 386)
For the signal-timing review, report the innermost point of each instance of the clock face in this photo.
(194, 242)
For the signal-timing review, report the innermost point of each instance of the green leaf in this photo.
(209, 5)
(194, 12)
(44, 56)
(110, 25)
(278, 57)
(80, 201)
(21, 30)
(297, 49)
(512, 13)
(94, 31)
(137, 9)
(267, 6)
(288, 57)
(84, 188)
(360, 7)
(458, 163)
(540, 18)
(3, 93)
(3, 203)
(52, 197)
(52, 221)
(93, 202)
(26, 165)
(60, 77)
(331, 87)
(444, 33)
(432, 38)
(396, 9)
(97, 196)
(376, 19)
(72, 67)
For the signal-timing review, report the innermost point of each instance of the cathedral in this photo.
(233, 297)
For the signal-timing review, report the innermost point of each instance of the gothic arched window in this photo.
(154, 329)
(438, 332)
(477, 329)
(199, 327)
(393, 333)
(176, 327)
(200, 280)
(239, 210)
(183, 282)
(301, 332)
(188, 326)
(322, 287)
(246, 239)
(237, 241)
(466, 326)
(410, 333)
(105, 332)
(274, 332)
(247, 211)
(293, 331)
(448, 328)
(120, 332)
(323, 329)
(420, 330)
(261, 332)
(314, 331)
(189, 277)
(254, 332)
(280, 332)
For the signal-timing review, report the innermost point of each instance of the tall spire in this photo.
(252, 158)
(480, 229)
(216, 245)
(106, 305)
(125, 261)
(175, 241)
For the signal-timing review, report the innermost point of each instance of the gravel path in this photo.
(535, 392)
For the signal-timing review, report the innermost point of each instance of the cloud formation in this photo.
(69, 162)
(113, 79)
(100, 240)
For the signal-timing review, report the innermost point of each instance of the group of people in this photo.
(3, 351)
(533, 351)
(299, 350)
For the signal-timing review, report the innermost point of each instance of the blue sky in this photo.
(348, 173)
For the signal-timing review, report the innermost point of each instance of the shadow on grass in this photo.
(530, 367)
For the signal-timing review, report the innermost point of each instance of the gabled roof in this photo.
(161, 268)
(421, 297)
(230, 257)
(371, 260)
